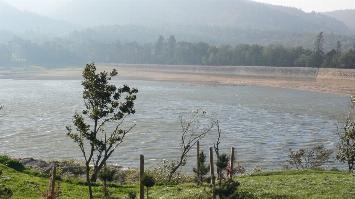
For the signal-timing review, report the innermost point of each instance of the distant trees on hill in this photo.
(170, 51)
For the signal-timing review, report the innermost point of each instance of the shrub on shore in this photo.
(346, 145)
(306, 158)
(12, 163)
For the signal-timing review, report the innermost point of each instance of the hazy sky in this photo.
(39, 6)
(314, 5)
(46, 6)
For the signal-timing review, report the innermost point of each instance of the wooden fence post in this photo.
(232, 158)
(198, 163)
(141, 176)
(52, 194)
(213, 180)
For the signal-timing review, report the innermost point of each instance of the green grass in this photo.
(300, 184)
(286, 184)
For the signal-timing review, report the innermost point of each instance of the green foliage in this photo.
(105, 105)
(347, 59)
(222, 165)
(12, 163)
(131, 195)
(170, 51)
(288, 184)
(70, 168)
(194, 127)
(299, 184)
(203, 168)
(222, 161)
(228, 189)
(148, 181)
(314, 157)
(318, 52)
(162, 172)
(5, 192)
(346, 145)
(107, 174)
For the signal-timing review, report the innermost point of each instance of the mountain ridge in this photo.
(347, 16)
(222, 13)
(25, 22)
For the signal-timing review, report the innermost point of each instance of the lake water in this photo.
(261, 123)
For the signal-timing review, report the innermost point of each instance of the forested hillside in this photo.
(170, 51)
(345, 16)
(24, 23)
(209, 32)
(242, 14)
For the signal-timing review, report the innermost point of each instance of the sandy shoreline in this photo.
(339, 81)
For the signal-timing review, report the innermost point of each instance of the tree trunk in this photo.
(219, 177)
(88, 181)
(351, 166)
(172, 172)
(105, 189)
(94, 176)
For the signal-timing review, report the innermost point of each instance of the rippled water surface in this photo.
(261, 122)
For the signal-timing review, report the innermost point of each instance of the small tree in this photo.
(229, 189)
(4, 191)
(216, 147)
(105, 106)
(346, 145)
(193, 128)
(106, 175)
(338, 54)
(148, 181)
(314, 157)
(203, 169)
(318, 52)
(222, 164)
(222, 159)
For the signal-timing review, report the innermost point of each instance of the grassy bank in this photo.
(285, 184)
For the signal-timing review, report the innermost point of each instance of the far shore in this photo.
(337, 81)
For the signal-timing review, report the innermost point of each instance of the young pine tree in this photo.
(203, 169)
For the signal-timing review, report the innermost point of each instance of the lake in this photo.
(262, 123)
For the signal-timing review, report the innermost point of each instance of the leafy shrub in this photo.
(71, 168)
(129, 176)
(346, 145)
(239, 169)
(12, 163)
(15, 164)
(107, 174)
(228, 190)
(222, 164)
(132, 195)
(309, 158)
(148, 181)
(161, 174)
(5, 192)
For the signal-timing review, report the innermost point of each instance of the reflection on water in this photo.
(262, 123)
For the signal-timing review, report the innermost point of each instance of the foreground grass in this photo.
(288, 184)
(300, 184)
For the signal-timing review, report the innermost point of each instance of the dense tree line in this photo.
(170, 51)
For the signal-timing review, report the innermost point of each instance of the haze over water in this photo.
(261, 122)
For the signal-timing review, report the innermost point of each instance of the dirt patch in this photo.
(340, 81)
